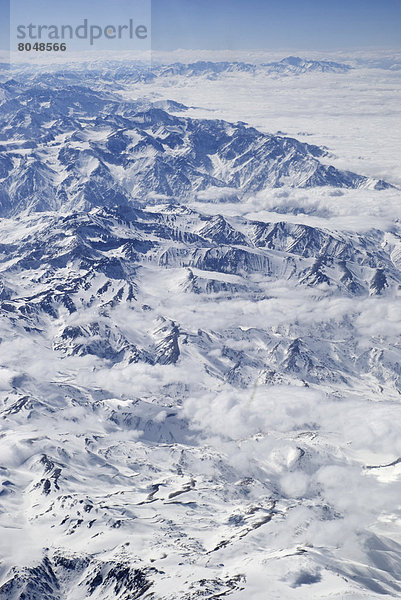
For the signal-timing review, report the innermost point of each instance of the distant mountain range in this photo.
(291, 65)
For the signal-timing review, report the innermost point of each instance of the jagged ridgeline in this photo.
(74, 148)
(91, 263)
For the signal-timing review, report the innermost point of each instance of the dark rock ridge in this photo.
(75, 148)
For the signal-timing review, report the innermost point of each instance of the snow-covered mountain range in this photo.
(291, 65)
(76, 148)
(194, 403)
(149, 71)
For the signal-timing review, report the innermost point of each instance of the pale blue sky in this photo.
(236, 24)
(275, 24)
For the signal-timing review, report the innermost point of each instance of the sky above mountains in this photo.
(272, 24)
(228, 24)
